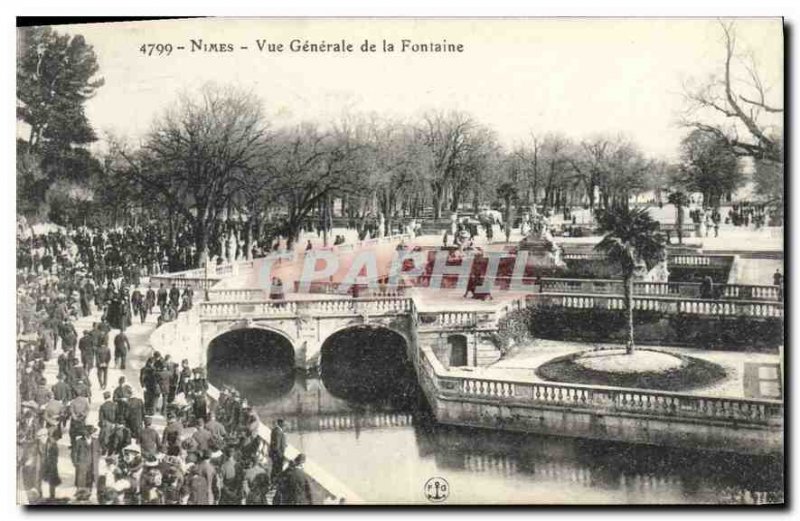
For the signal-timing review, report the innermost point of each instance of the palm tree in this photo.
(680, 200)
(631, 237)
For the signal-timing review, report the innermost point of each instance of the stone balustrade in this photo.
(682, 289)
(667, 305)
(363, 290)
(182, 281)
(451, 384)
(291, 308)
(708, 261)
(237, 295)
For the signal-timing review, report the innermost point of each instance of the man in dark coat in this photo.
(65, 363)
(231, 475)
(120, 438)
(137, 303)
(103, 359)
(89, 293)
(78, 412)
(135, 416)
(121, 349)
(46, 343)
(162, 297)
(277, 447)
(293, 486)
(216, 429)
(149, 301)
(84, 301)
(171, 440)
(207, 470)
(149, 439)
(175, 296)
(69, 337)
(149, 382)
(164, 377)
(81, 455)
(86, 346)
(50, 466)
(201, 436)
(196, 487)
(106, 418)
(119, 391)
(61, 390)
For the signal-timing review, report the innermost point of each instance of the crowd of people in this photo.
(205, 454)
(745, 214)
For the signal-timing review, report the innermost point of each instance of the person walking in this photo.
(121, 348)
(103, 359)
(162, 298)
(149, 301)
(150, 440)
(81, 455)
(106, 419)
(86, 345)
(277, 447)
(293, 486)
(777, 280)
(149, 383)
(135, 417)
(175, 296)
(137, 303)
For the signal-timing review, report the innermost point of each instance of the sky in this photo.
(578, 77)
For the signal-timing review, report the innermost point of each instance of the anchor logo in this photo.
(437, 490)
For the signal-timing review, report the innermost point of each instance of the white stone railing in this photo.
(682, 289)
(669, 305)
(506, 391)
(320, 307)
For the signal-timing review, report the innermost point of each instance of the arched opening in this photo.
(368, 365)
(458, 350)
(256, 362)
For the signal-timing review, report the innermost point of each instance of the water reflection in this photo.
(369, 426)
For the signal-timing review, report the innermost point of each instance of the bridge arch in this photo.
(367, 363)
(253, 357)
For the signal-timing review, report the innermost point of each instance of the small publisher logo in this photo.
(437, 490)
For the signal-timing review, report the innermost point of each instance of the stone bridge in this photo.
(463, 337)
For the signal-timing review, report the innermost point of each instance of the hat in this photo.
(132, 447)
(151, 462)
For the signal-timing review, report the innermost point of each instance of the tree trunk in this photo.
(679, 221)
(438, 195)
(201, 242)
(508, 219)
(629, 308)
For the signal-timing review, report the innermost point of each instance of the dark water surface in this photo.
(365, 422)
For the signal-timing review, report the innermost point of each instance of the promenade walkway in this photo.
(139, 337)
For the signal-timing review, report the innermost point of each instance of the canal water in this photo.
(364, 420)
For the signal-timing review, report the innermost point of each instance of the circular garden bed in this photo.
(644, 369)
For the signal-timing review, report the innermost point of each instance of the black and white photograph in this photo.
(416, 261)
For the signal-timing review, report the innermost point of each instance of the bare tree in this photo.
(198, 154)
(732, 109)
(445, 137)
(311, 165)
(529, 154)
